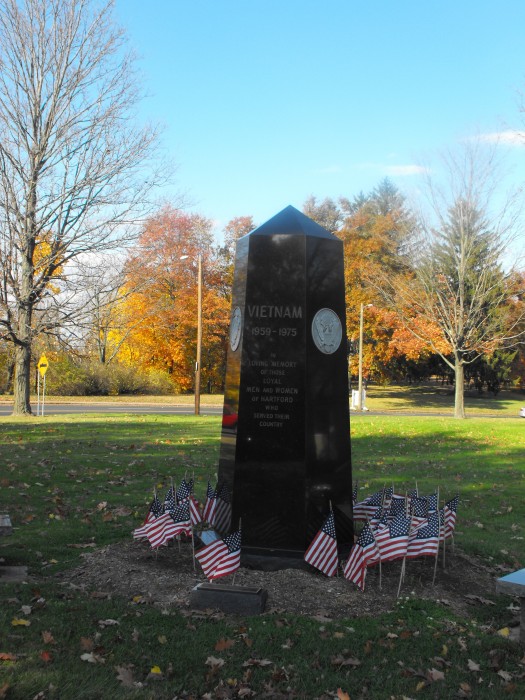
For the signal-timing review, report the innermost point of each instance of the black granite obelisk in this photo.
(285, 446)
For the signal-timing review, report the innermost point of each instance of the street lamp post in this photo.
(359, 405)
(199, 334)
(199, 338)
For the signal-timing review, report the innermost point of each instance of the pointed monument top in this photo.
(291, 221)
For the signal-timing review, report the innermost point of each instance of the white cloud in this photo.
(510, 137)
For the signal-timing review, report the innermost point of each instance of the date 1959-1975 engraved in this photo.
(266, 330)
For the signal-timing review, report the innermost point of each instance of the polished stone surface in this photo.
(285, 447)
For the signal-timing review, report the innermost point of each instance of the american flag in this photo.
(169, 525)
(398, 506)
(363, 553)
(157, 531)
(223, 509)
(182, 519)
(184, 490)
(367, 508)
(195, 511)
(450, 509)
(432, 503)
(354, 494)
(169, 500)
(322, 552)
(425, 540)
(419, 511)
(208, 512)
(220, 557)
(155, 511)
(392, 539)
(379, 517)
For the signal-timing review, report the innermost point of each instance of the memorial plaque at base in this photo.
(285, 444)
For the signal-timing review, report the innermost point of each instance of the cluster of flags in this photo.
(396, 527)
(181, 512)
(176, 516)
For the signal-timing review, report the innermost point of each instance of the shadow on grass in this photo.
(441, 397)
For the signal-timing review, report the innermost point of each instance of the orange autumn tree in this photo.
(234, 229)
(164, 262)
(374, 234)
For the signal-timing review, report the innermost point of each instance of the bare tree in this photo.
(458, 298)
(103, 318)
(76, 171)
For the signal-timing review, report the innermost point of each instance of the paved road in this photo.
(53, 409)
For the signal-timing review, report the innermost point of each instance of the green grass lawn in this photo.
(87, 480)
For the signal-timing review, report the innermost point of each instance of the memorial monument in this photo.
(285, 446)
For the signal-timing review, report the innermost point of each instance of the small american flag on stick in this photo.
(322, 552)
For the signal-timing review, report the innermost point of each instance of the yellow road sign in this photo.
(42, 365)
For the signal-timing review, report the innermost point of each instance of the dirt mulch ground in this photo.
(166, 579)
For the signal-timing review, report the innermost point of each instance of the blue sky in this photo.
(266, 102)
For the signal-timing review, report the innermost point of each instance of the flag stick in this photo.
(192, 535)
(233, 579)
(337, 569)
(380, 569)
(401, 576)
(439, 538)
(403, 565)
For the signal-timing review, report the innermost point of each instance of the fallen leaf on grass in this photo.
(344, 661)
(504, 632)
(155, 674)
(472, 665)
(19, 621)
(214, 662)
(4, 656)
(507, 677)
(46, 656)
(48, 638)
(257, 662)
(223, 644)
(465, 691)
(92, 658)
(342, 695)
(125, 676)
(107, 623)
(435, 675)
(87, 644)
(26, 609)
(162, 639)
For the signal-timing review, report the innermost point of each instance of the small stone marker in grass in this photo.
(10, 574)
(239, 600)
(514, 584)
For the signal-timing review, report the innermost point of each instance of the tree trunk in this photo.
(22, 381)
(459, 398)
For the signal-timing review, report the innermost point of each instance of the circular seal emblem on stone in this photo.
(327, 331)
(235, 328)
